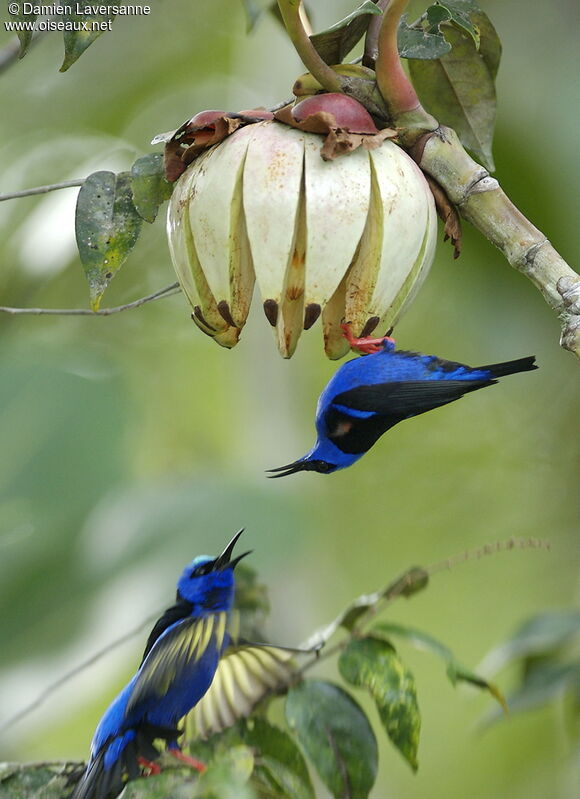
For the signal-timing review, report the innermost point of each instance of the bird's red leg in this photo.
(151, 767)
(190, 761)
(366, 345)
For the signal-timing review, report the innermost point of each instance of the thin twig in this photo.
(282, 104)
(168, 291)
(378, 601)
(67, 184)
(488, 549)
(10, 54)
(43, 696)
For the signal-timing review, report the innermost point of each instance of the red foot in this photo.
(150, 767)
(366, 345)
(190, 761)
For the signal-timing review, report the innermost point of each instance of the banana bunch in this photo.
(345, 240)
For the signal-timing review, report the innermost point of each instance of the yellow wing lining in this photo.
(245, 675)
(175, 653)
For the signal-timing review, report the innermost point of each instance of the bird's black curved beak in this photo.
(224, 561)
(302, 466)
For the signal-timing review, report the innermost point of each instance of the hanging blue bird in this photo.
(179, 663)
(367, 396)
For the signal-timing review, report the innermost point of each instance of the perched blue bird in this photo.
(369, 395)
(178, 666)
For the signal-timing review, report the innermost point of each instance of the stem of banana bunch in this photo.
(438, 151)
(478, 197)
(293, 22)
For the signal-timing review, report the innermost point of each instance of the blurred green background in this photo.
(131, 443)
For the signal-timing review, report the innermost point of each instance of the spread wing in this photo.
(175, 654)
(357, 418)
(181, 610)
(246, 674)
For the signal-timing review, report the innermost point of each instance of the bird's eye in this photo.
(200, 571)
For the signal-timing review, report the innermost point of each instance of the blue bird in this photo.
(178, 666)
(367, 396)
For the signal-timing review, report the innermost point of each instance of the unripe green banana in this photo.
(307, 84)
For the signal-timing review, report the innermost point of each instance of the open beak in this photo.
(224, 561)
(302, 465)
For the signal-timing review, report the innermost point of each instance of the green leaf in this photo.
(336, 735)
(25, 37)
(373, 664)
(415, 42)
(542, 634)
(544, 683)
(489, 42)
(336, 42)
(173, 781)
(456, 671)
(227, 775)
(416, 637)
(107, 226)
(458, 89)
(88, 28)
(251, 602)
(280, 766)
(214, 747)
(149, 186)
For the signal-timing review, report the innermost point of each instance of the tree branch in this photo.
(468, 185)
(482, 202)
(168, 291)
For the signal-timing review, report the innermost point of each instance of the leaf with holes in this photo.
(456, 12)
(336, 735)
(336, 42)
(88, 28)
(149, 186)
(107, 226)
(458, 89)
(373, 664)
(414, 41)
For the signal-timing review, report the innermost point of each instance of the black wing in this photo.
(176, 656)
(181, 610)
(390, 403)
